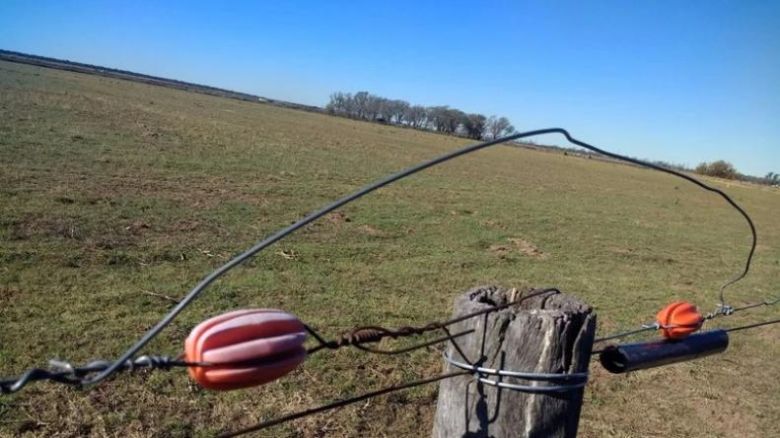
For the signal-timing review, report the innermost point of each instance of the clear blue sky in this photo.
(668, 80)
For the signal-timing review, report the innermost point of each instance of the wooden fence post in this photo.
(551, 333)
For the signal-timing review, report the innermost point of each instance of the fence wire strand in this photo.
(338, 404)
(284, 232)
(65, 373)
(711, 316)
(93, 373)
(470, 371)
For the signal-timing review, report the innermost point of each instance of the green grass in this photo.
(111, 189)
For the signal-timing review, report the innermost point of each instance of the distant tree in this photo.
(497, 127)
(772, 178)
(375, 105)
(445, 119)
(473, 125)
(438, 117)
(350, 108)
(361, 102)
(367, 106)
(337, 103)
(453, 119)
(720, 169)
(416, 116)
(395, 111)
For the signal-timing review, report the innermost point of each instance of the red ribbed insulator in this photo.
(679, 319)
(245, 348)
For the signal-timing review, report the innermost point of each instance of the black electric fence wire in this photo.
(94, 375)
(448, 337)
(203, 284)
(431, 326)
(67, 374)
(338, 404)
(750, 326)
(577, 382)
(729, 311)
(63, 372)
(361, 335)
(754, 305)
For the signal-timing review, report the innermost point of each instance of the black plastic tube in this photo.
(631, 357)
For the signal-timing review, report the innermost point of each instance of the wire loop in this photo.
(721, 310)
(564, 381)
(286, 231)
(68, 374)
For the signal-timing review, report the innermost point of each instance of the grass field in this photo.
(114, 193)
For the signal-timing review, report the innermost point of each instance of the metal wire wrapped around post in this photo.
(574, 361)
(528, 366)
(311, 217)
(557, 382)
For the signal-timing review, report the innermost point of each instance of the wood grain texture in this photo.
(546, 334)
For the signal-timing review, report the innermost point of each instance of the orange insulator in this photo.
(245, 348)
(679, 319)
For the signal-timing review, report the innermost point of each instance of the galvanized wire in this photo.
(750, 326)
(98, 374)
(338, 404)
(554, 382)
(721, 311)
(573, 381)
(66, 373)
(369, 334)
(565, 382)
(284, 232)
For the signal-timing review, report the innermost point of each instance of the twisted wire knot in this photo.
(368, 334)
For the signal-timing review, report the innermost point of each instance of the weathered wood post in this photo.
(549, 334)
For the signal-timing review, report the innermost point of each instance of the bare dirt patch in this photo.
(500, 250)
(337, 217)
(525, 247)
(517, 245)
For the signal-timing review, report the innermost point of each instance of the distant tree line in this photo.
(366, 106)
(720, 169)
(724, 169)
